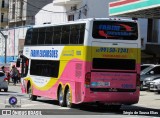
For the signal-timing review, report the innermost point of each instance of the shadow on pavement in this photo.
(92, 109)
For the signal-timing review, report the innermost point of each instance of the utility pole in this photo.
(5, 52)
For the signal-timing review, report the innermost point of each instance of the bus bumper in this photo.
(113, 97)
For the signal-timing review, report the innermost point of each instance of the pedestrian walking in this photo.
(3, 69)
(14, 74)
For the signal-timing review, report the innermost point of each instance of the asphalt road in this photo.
(148, 106)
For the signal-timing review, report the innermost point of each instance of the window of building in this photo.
(13, 9)
(70, 17)
(21, 8)
(3, 3)
(2, 17)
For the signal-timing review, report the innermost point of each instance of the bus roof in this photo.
(83, 21)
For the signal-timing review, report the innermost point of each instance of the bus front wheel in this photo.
(31, 96)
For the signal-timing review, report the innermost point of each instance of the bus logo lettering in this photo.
(44, 53)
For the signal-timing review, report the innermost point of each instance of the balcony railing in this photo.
(66, 2)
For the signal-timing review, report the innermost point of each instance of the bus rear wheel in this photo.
(68, 97)
(115, 107)
(61, 98)
(31, 96)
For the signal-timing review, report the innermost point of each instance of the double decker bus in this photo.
(93, 60)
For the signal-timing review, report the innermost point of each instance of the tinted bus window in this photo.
(65, 34)
(45, 68)
(41, 37)
(115, 30)
(49, 35)
(81, 31)
(74, 34)
(77, 34)
(28, 37)
(57, 35)
(34, 37)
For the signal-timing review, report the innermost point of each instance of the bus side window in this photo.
(28, 37)
(74, 35)
(65, 34)
(81, 31)
(57, 35)
(41, 36)
(35, 37)
(45, 68)
(49, 35)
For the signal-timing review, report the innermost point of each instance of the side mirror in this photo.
(18, 62)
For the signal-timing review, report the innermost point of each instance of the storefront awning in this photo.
(135, 8)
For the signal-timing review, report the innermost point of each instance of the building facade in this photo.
(22, 12)
(70, 10)
(16, 17)
(148, 9)
(4, 8)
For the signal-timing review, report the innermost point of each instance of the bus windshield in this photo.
(115, 30)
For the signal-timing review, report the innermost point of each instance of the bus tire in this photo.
(115, 107)
(68, 98)
(61, 98)
(31, 96)
(5, 90)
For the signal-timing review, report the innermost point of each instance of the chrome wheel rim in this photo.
(60, 97)
(68, 98)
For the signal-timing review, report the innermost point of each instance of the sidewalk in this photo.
(17, 84)
(149, 100)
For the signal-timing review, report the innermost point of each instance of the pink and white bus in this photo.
(90, 60)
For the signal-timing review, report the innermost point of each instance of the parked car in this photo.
(147, 80)
(3, 81)
(155, 85)
(144, 66)
(158, 87)
(148, 72)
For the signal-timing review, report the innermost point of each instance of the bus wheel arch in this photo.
(29, 92)
(68, 96)
(28, 85)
